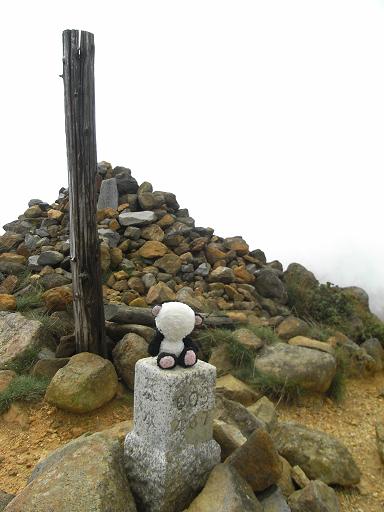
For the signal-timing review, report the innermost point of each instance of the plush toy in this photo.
(174, 322)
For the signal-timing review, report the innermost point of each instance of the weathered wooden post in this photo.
(79, 100)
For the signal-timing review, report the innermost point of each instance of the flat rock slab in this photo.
(109, 195)
(170, 451)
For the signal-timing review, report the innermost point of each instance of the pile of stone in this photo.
(151, 251)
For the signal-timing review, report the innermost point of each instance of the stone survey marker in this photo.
(170, 451)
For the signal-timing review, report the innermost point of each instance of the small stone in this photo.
(265, 411)
(222, 275)
(52, 258)
(109, 196)
(203, 270)
(6, 377)
(152, 249)
(7, 302)
(86, 383)
(257, 461)
(291, 327)
(285, 482)
(316, 497)
(57, 299)
(302, 341)
(228, 436)
(126, 354)
(170, 263)
(225, 491)
(235, 389)
(136, 218)
(246, 338)
(138, 302)
(160, 293)
(299, 477)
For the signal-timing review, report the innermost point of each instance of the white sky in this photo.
(266, 118)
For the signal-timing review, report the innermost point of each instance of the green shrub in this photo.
(23, 387)
(267, 334)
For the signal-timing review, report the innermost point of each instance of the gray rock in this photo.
(358, 361)
(56, 483)
(31, 241)
(117, 331)
(126, 184)
(5, 498)
(148, 280)
(136, 218)
(19, 337)
(203, 270)
(270, 286)
(311, 369)
(121, 314)
(234, 413)
(52, 258)
(315, 497)
(259, 255)
(11, 268)
(151, 201)
(374, 348)
(112, 238)
(273, 500)
(132, 232)
(32, 262)
(297, 275)
(222, 275)
(109, 195)
(53, 280)
(320, 455)
(225, 491)
(171, 201)
(359, 294)
(265, 411)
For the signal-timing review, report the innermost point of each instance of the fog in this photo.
(265, 118)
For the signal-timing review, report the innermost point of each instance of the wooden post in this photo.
(79, 101)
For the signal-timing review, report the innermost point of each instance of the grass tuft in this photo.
(25, 361)
(23, 387)
(31, 300)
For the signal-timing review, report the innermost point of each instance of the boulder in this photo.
(235, 389)
(247, 339)
(358, 363)
(19, 338)
(257, 461)
(86, 383)
(126, 184)
(299, 276)
(320, 455)
(310, 369)
(48, 367)
(86, 474)
(270, 286)
(315, 497)
(291, 327)
(121, 314)
(126, 354)
(225, 491)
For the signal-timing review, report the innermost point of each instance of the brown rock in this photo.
(107, 213)
(166, 221)
(159, 293)
(116, 255)
(303, 341)
(257, 461)
(7, 302)
(33, 212)
(57, 299)
(299, 477)
(242, 273)
(170, 263)
(198, 244)
(138, 302)
(285, 481)
(114, 225)
(291, 327)
(316, 497)
(105, 257)
(214, 253)
(6, 377)
(55, 214)
(235, 389)
(152, 249)
(265, 411)
(248, 339)
(153, 232)
(48, 367)
(221, 359)
(16, 415)
(126, 354)
(222, 275)
(135, 283)
(12, 257)
(237, 244)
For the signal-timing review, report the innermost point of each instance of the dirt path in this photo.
(353, 422)
(40, 428)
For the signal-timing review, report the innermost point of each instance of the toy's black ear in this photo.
(198, 321)
(156, 310)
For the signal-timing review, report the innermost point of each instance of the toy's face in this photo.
(175, 320)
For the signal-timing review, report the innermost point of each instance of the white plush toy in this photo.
(174, 322)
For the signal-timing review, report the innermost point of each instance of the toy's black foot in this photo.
(187, 358)
(166, 361)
